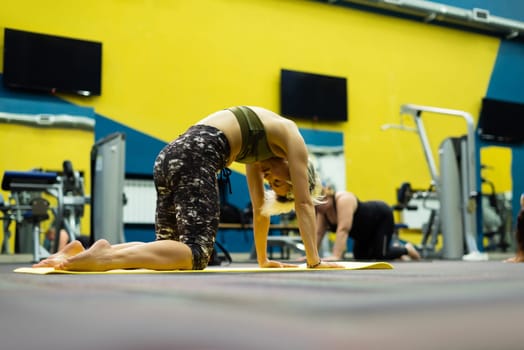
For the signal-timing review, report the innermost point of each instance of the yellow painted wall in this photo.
(167, 63)
(498, 168)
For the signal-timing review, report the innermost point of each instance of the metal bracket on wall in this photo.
(476, 19)
(49, 120)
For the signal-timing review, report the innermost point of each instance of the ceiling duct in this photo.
(476, 19)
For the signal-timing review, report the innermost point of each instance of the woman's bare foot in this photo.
(71, 249)
(97, 258)
(412, 252)
(516, 259)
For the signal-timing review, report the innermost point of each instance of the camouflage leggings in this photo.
(185, 175)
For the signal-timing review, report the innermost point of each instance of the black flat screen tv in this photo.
(41, 62)
(313, 96)
(501, 121)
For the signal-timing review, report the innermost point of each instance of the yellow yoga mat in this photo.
(347, 265)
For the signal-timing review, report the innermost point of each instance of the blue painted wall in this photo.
(141, 149)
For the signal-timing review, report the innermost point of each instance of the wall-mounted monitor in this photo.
(501, 121)
(313, 96)
(49, 63)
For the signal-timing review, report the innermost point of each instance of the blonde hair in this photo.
(276, 205)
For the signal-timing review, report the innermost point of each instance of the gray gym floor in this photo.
(417, 305)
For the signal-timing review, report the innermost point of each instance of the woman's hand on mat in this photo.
(327, 258)
(328, 265)
(331, 258)
(326, 262)
(276, 264)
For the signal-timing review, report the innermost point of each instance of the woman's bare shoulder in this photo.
(282, 133)
(346, 197)
(345, 194)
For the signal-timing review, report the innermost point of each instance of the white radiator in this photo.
(141, 201)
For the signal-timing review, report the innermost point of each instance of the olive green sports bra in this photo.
(254, 140)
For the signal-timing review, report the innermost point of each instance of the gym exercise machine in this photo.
(496, 216)
(107, 195)
(455, 186)
(28, 207)
(107, 182)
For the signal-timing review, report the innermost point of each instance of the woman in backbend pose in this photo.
(370, 224)
(187, 210)
(519, 257)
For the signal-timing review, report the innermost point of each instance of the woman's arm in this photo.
(321, 227)
(286, 142)
(346, 205)
(261, 222)
(297, 157)
(255, 182)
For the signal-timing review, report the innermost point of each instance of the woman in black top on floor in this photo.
(370, 224)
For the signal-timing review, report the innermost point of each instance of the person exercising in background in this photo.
(50, 239)
(187, 209)
(370, 224)
(63, 240)
(519, 235)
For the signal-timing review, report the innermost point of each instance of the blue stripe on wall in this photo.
(507, 79)
(141, 149)
(322, 138)
(507, 83)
